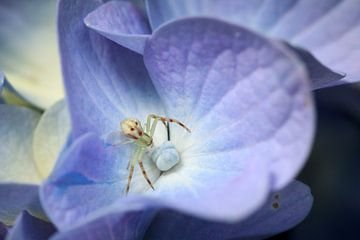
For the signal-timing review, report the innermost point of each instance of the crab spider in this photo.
(132, 129)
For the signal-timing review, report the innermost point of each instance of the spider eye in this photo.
(136, 123)
(132, 129)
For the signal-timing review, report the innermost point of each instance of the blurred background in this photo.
(333, 170)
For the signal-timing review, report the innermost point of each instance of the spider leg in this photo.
(143, 169)
(171, 120)
(121, 143)
(148, 123)
(132, 166)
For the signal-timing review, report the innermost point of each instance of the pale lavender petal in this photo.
(104, 82)
(28, 227)
(282, 211)
(245, 98)
(120, 22)
(329, 31)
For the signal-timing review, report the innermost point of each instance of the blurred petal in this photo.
(3, 231)
(9, 95)
(121, 22)
(320, 75)
(245, 98)
(329, 30)
(50, 136)
(104, 81)
(2, 81)
(17, 125)
(29, 50)
(282, 211)
(28, 227)
(15, 198)
(85, 171)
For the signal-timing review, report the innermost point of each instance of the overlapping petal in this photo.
(88, 176)
(121, 22)
(28, 227)
(245, 98)
(104, 81)
(29, 51)
(328, 30)
(15, 198)
(282, 211)
(50, 136)
(17, 126)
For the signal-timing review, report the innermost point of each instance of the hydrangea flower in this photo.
(243, 96)
(246, 98)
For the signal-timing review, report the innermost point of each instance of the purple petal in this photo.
(279, 214)
(87, 170)
(320, 75)
(121, 22)
(104, 82)
(84, 172)
(15, 198)
(282, 211)
(329, 30)
(115, 225)
(245, 98)
(3, 231)
(28, 227)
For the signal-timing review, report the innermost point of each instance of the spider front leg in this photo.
(139, 153)
(143, 169)
(164, 120)
(132, 166)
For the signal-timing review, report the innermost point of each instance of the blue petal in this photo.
(121, 22)
(17, 197)
(329, 30)
(104, 82)
(244, 97)
(28, 227)
(282, 211)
